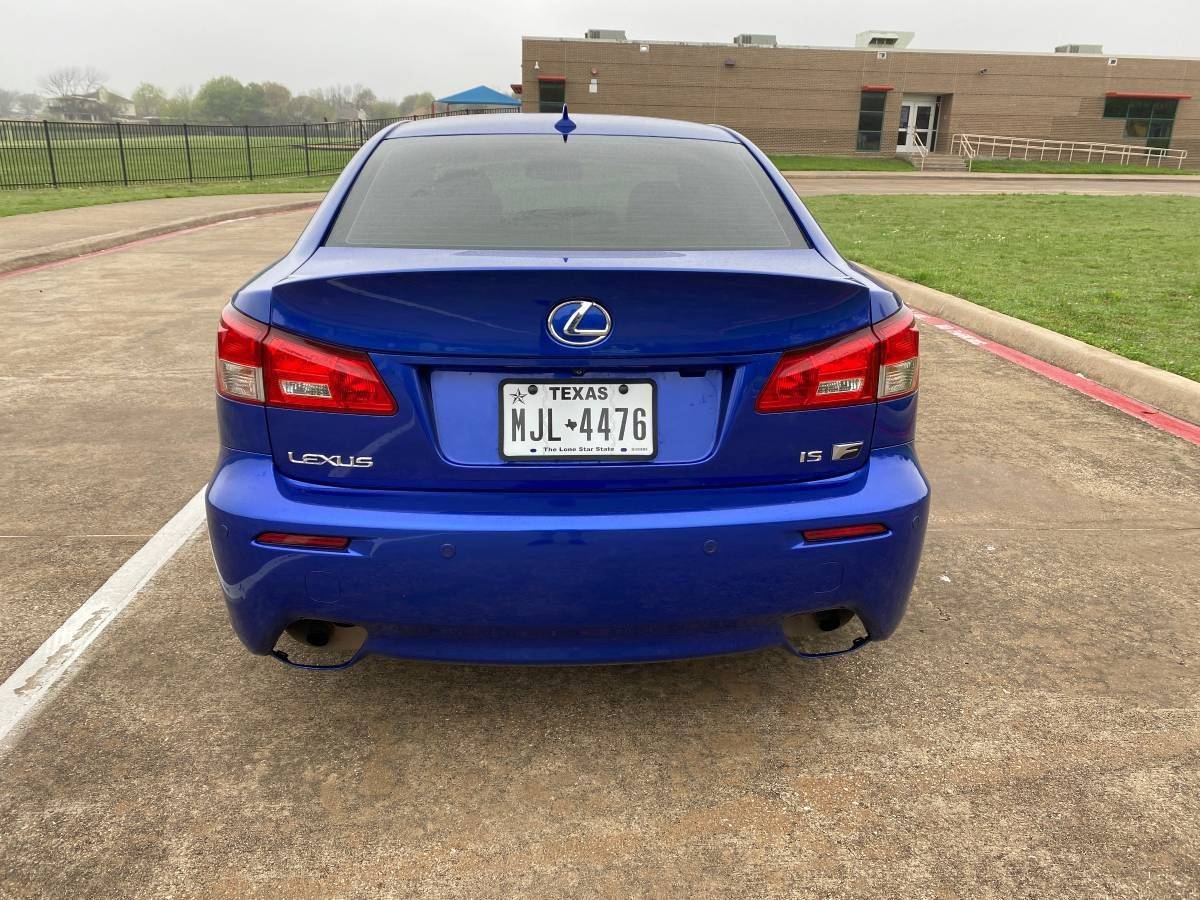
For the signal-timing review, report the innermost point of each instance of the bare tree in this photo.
(17, 103)
(362, 96)
(342, 99)
(71, 81)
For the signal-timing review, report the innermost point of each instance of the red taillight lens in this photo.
(842, 532)
(310, 541)
(259, 365)
(872, 363)
(835, 374)
(239, 356)
(304, 374)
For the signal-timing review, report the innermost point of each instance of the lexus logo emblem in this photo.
(579, 323)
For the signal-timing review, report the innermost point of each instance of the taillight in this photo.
(878, 363)
(834, 374)
(239, 356)
(899, 355)
(261, 365)
(304, 374)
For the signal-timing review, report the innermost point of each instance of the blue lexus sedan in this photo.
(541, 389)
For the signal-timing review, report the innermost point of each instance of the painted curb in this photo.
(1167, 391)
(69, 249)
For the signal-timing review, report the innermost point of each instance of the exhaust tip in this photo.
(827, 632)
(313, 632)
(319, 644)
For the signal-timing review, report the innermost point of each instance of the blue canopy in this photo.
(479, 96)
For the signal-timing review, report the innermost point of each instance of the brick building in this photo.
(878, 98)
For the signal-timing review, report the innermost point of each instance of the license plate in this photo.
(578, 420)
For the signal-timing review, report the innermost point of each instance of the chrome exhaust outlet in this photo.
(319, 644)
(827, 632)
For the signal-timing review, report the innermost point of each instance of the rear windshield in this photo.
(527, 192)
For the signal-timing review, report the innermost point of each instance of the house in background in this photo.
(101, 105)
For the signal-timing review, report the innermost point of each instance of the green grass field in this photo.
(1051, 167)
(16, 202)
(1122, 273)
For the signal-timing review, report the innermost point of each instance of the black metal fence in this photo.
(54, 154)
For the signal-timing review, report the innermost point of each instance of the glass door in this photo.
(922, 126)
(918, 123)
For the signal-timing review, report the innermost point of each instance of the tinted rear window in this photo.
(515, 192)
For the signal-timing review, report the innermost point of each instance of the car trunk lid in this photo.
(446, 329)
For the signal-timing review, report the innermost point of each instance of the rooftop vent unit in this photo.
(1096, 49)
(605, 34)
(756, 40)
(884, 40)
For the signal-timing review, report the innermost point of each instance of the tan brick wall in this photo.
(805, 100)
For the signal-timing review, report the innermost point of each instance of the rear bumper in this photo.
(557, 577)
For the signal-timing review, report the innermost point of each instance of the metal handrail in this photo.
(922, 150)
(967, 150)
(993, 146)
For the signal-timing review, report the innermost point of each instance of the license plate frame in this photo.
(642, 457)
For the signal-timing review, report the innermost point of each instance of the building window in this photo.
(1148, 121)
(552, 94)
(870, 120)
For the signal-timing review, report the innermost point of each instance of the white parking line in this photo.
(30, 683)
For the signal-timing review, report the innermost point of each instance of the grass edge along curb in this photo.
(1164, 390)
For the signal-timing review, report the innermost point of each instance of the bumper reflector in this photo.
(842, 532)
(309, 541)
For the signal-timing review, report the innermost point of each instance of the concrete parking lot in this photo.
(1033, 729)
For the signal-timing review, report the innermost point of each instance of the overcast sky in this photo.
(398, 47)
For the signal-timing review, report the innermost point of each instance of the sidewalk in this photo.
(1135, 174)
(47, 236)
(815, 184)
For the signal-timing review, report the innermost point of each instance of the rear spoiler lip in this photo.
(730, 311)
(328, 263)
(884, 301)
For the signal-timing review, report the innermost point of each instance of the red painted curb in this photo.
(191, 229)
(1126, 404)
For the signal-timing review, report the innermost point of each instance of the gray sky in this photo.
(402, 47)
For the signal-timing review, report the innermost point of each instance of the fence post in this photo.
(121, 153)
(249, 161)
(50, 154)
(307, 165)
(187, 151)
